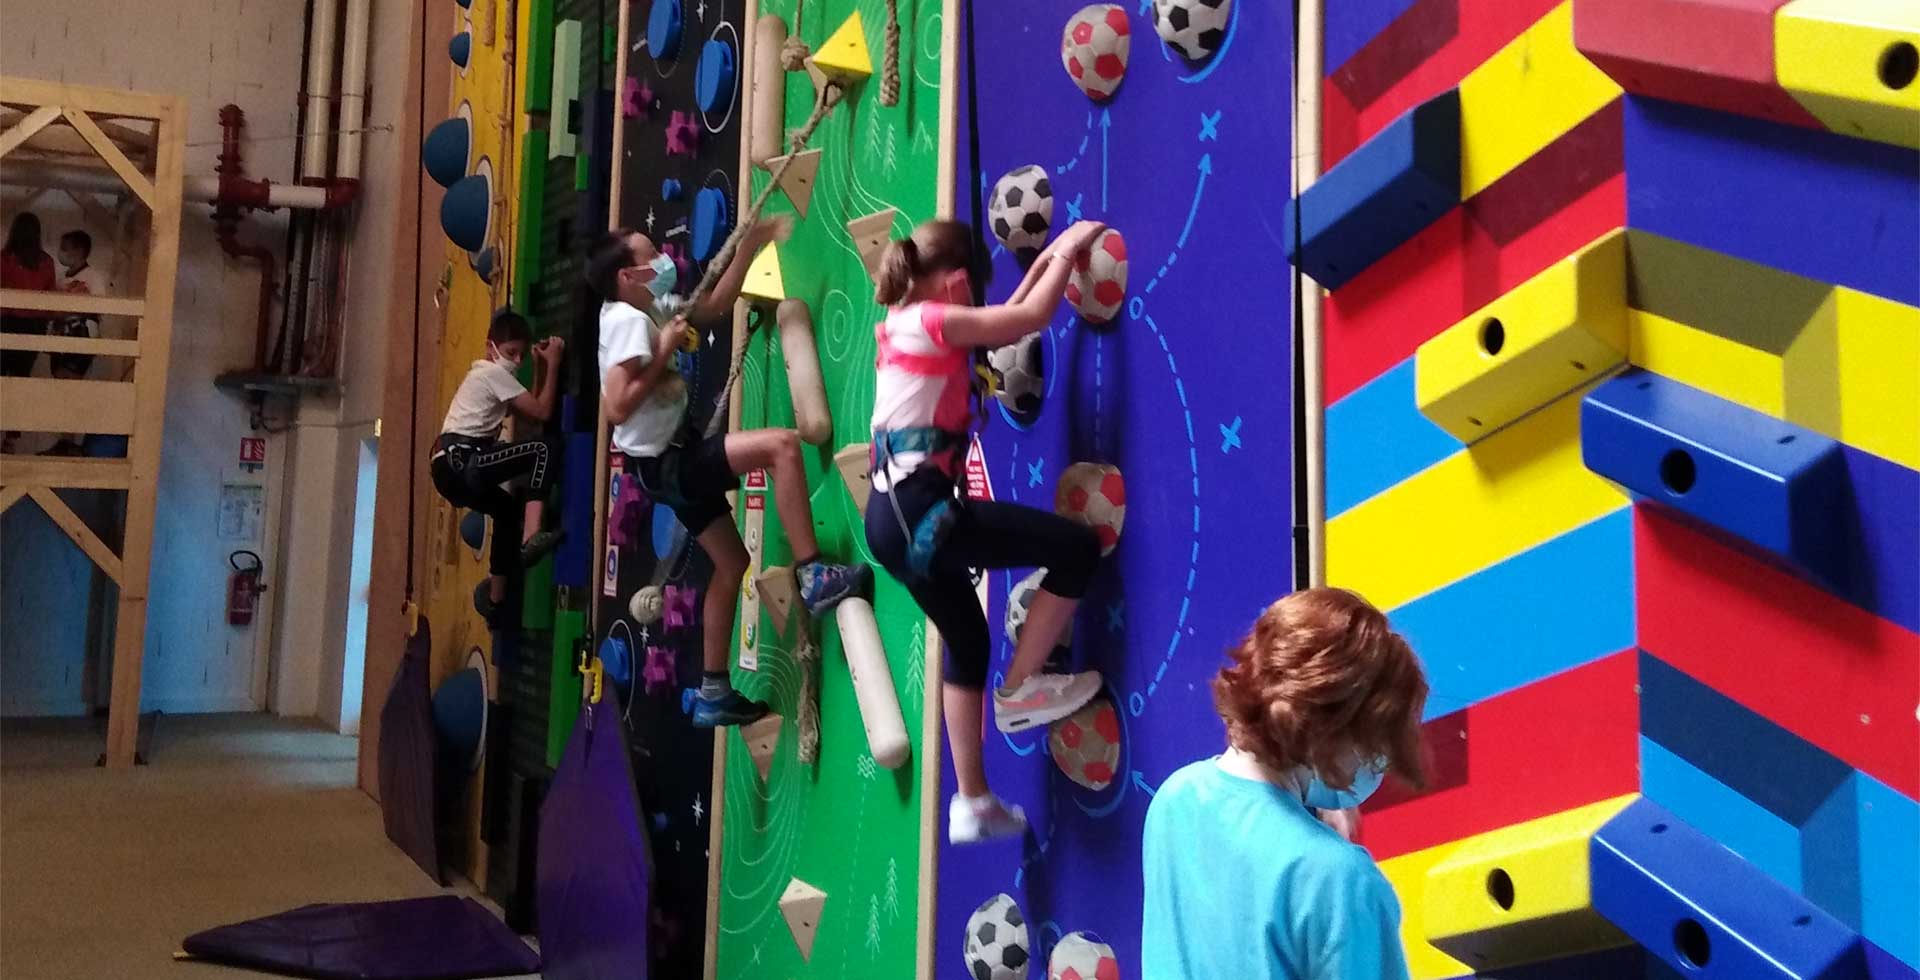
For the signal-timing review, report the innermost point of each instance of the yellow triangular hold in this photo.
(797, 182)
(844, 57)
(801, 906)
(871, 233)
(764, 281)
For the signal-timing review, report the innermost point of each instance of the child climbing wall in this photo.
(1157, 408)
(1629, 456)
(821, 857)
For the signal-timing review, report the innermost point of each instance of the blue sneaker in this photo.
(822, 586)
(731, 708)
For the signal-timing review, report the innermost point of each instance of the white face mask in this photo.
(495, 355)
(666, 275)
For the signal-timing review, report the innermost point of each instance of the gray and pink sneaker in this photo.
(1043, 698)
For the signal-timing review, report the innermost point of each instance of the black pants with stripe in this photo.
(471, 472)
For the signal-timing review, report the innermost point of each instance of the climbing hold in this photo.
(1192, 28)
(446, 150)
(473, 529)
(636, 99)
(1099, 285)
(616, 658)
(1079, 956)
(466, 212)
(775, 585)
(872, 682)
(843, 58)
(670, 189)
(677, 604)
(854, 464)
(996, 945)
(762, 737)
(1086, 744)
(1020, 211)
(1095, 495)
(460, 49)
(660, 669)
(683, 134)
(712, 219)
(647, 605)
(764, 281)
(460, 711)
(871, 233)
(1094, 49)
(485, 264)
(1020, 599)
(797, 182)
(808, 393)
(714, 75)
(1019, 377)
(801, 905)
(663, 30)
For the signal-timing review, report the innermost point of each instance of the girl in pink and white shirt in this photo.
(924, 532)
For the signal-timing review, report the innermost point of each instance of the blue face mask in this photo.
(1366, 780)
(666, 275)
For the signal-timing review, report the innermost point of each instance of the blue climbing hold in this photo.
(444, 152)
(460, 49)
(466, 212)
(670, 190)
(616, 659)
(663, 30)
(713, 78)
(473, 529)
(712, 220)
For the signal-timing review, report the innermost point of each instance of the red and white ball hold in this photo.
(1095, 495)
(1094, 49)
(1079, 956)
(1086, 745)
(1098, 287)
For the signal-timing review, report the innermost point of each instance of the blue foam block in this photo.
(1889, 851)
(1882, 965)
(1706, 912)
(712, 220)
(1377, 437)
(1830, 855)
(1350, 24)
(1561, 604)
(663, 30)
(1385, 192)
(1756, 758)
(1822, 205)
(575, 555)
(1770, 483)
(713, 76)
(1885, 575)
(1739, 824)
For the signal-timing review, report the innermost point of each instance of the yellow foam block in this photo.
(764, 281)
(1557, 331)
(1520, 893)
(1516, 489)
(844, 56)
(1407, 873)
(1711, 363)
(1527, 95)
(1852, 63)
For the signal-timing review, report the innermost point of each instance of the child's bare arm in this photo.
(1032, 303)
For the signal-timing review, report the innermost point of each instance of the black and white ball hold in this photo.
(1021, 211)
(997, 940)
(1019, 377)
(1192, 28)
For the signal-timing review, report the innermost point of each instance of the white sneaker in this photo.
(1043, 698)
(973, 821)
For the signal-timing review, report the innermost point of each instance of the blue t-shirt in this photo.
(1242, 882)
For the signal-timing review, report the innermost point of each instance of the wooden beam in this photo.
(60, 405)
(54, 301)
(65, 472)
(101, 347)
(111, 153)
(81, 534)
(33, 92)
(10, 495)
(28, 125)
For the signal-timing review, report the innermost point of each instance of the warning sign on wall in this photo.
(979, 487)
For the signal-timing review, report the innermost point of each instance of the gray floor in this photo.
(103, 873)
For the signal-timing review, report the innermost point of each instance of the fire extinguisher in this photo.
(243, 587)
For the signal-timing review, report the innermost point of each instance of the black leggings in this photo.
(469, 473)
(985, 535)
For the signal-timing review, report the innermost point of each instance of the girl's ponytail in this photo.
(898, 267)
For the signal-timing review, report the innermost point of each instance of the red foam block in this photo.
(1558, 743)
(1717, 54)
(1444, 273)
(1819, 666)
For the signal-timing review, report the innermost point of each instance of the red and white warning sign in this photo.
(979, 487)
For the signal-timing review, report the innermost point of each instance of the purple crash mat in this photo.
(593, 867)
(407, 743)
(444, 937)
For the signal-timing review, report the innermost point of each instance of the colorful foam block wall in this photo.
(1650, 526)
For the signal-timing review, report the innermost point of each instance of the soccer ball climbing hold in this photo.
(1094, 49)
(997, 940)
(1086, 745)
(1098, 287)
(1192, 28)
(1079, 956)
(1021, 211)
(1095, 495)
(1020, 600)
(1019, 377)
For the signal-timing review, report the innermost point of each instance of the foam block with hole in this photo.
(1551, 334)
(1705, 911)
(1769, 483)
(1716, 54)
(1519, 894)
(1853, 64)
(1531, 92)
(1399, 182)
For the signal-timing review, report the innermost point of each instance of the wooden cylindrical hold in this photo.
(803, 372)
(769, 91)
(872, 682)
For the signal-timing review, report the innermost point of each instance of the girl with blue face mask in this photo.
(1241, 876)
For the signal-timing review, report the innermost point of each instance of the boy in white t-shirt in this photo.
(641, 328)
(470, 464)
(76, 276)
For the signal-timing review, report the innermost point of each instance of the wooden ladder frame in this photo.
(140, 139)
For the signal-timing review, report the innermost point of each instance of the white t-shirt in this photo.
(480, 403)
(89, 281)
(627, 333)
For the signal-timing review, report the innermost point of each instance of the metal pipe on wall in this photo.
(317, 108)
(1306, 169)
(353, 87)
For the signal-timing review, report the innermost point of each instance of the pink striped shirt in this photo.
(919, 380)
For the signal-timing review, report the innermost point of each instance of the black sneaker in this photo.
(731, 708)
